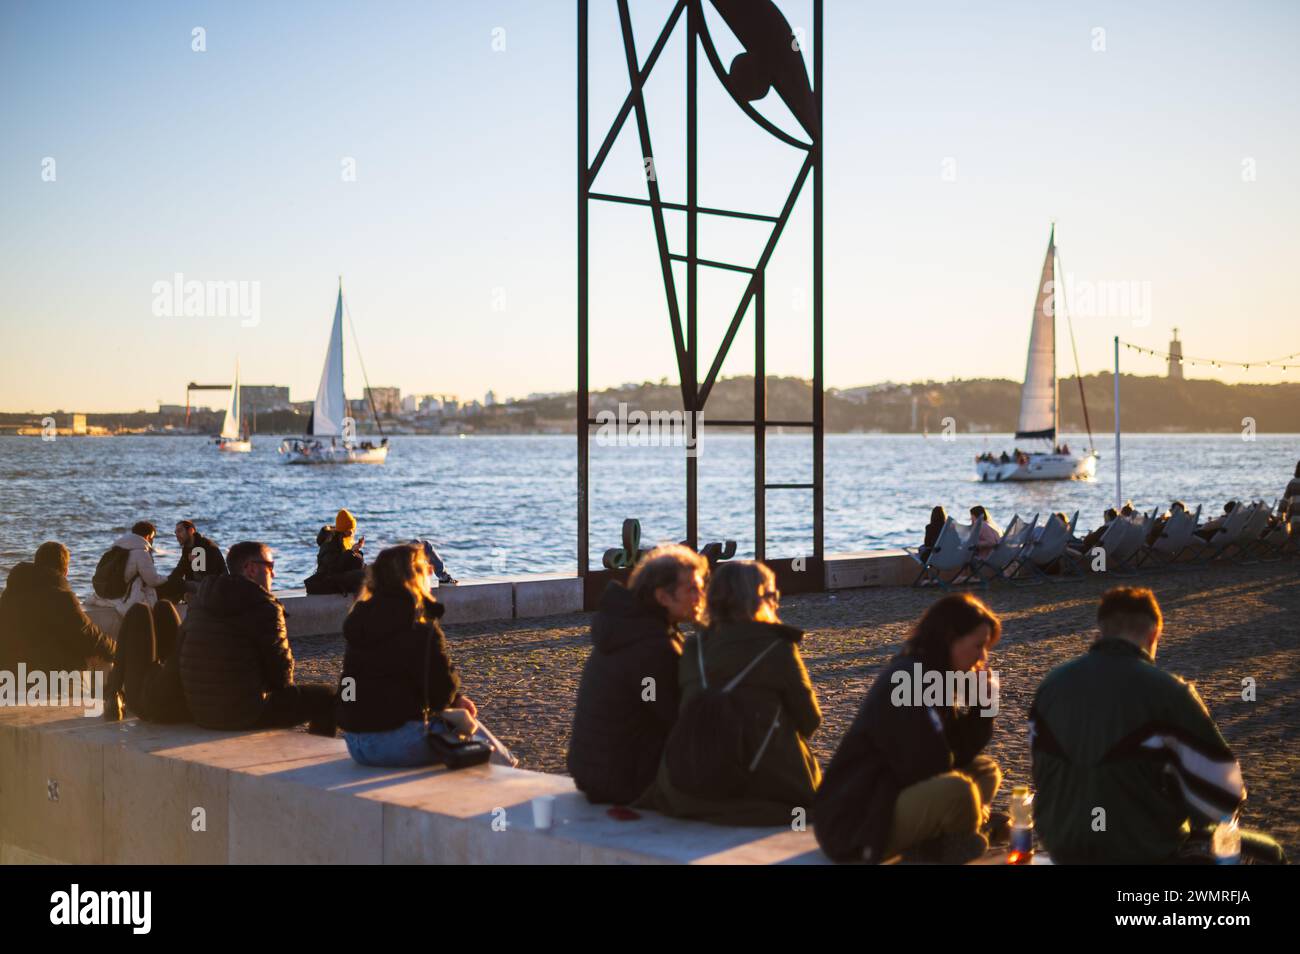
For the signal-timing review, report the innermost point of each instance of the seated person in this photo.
(1159, 523)
(42, 623)
(340, 564)
(1293, 485)
(1093, 538)
(200, 558)
(435, 563)
(989, 532)
(236, 664)
(1111, 729)
(938, 518)
(619, 733)
(744, 646)
(1208, 529)
(911, 778)
(147, 671)
(396, 665)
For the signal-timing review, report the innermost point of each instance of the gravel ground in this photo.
(1222, 625)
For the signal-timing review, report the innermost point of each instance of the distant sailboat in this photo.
(1039, 400)
(330, 438)
(234, 438)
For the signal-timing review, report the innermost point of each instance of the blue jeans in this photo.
(402, 747)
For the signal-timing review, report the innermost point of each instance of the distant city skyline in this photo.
(425, 152)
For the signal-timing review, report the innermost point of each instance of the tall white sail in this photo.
(230, 428)
(1038, 394)
(331, 408)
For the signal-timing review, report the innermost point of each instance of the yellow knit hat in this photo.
(345, 523)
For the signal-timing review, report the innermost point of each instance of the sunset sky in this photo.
(1163, 138)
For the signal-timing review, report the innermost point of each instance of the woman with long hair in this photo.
(908, 777)
(396, 667)
(746, 652)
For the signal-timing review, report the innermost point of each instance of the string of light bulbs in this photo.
(1218, 362)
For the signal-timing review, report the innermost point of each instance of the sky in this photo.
(426, 153)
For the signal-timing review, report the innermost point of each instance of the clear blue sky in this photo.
(225, 165)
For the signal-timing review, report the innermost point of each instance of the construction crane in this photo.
(200, 387)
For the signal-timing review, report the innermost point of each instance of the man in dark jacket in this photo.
(199, 559)
(236, 664)
(42, 623)
(627, 699)
(1129, 766)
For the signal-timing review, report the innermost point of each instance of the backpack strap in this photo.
(771, 731)
(745, 672)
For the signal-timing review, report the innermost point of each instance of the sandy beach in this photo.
(1223, 624)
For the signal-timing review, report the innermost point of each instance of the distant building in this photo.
(172, 410)
(430, 405)
(410, 403)
(303, 407)
(1176, 358)
(261, 398)
(490, 399)
(78, 423)
(386, 400)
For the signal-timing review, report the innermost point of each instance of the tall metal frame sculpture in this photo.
(771, 59)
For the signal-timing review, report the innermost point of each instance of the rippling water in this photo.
(506, 505)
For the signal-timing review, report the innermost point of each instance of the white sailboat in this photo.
(1043, 459)
(331, 435)
(233, 438)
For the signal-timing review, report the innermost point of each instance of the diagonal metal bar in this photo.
(678, 207)
(626, 108)
(752, 285)
(656, 207)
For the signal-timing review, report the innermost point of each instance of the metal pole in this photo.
(583, 411)
(819, 403)
(692, 287)
(760, 421)
(1119, 493)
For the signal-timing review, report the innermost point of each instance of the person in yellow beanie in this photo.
(340, 564)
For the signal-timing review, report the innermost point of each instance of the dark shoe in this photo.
(321, 728)
(947, 850)
(446, 579)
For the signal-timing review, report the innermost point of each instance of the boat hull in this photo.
(303, 453)
(234, 446)
(1039, 467)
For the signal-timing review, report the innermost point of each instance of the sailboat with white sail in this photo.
(234, 437)
(331, 432)
(1044, 459)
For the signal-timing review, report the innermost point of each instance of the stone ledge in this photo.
(127, 793)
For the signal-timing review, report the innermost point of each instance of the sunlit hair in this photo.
(1128, 612)
(739, 591)
(187, 524)
(946, 621)
(52, 556)
(144, 529)
(979, 512)
(397, 571)
(663, 567)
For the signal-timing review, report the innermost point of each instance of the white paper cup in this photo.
(543, 811)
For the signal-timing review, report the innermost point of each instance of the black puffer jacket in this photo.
(618, 735)
(234, 650)
(390, 659)
(214, 564)
(338, 569)
(43, 625)
(887, 748)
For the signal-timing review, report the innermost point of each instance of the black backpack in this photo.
(705, 752)
(110, 574)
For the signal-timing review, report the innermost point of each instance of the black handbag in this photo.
(450, 748)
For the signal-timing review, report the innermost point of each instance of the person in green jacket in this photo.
(775, 698)
(1129, 766)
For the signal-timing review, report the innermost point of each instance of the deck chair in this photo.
(1008, 556)
(1248, 541)
(1046, 550)
(952, 554)
(1274, 541)
(1178, 535)
(1206, 549)
(1122, 541)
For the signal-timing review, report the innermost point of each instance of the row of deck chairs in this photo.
(1021, 558)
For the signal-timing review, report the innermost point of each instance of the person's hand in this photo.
(465, 702)
(361, 542)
